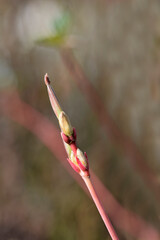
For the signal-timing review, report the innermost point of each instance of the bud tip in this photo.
(46, 79)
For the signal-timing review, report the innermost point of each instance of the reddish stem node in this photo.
(74, 148)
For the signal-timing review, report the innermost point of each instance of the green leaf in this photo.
(62, 24)
(61, 27)
(55, 40)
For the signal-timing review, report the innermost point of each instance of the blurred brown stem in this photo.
(17, 110)
(122, 142)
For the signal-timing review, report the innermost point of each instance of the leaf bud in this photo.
(82, 160)
(65, 124)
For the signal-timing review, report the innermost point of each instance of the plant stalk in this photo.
(100, 208)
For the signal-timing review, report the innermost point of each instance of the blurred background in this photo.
(116, 44)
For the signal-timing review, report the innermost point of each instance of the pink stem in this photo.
(116, 136)
(100, 208)
(46, 132)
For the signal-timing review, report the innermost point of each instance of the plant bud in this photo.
(73, 162)
(65, 124)
(75, 168)
(65, 138)
(82, 160)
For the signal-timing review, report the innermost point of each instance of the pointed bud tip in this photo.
(46, 79)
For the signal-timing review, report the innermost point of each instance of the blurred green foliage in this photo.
(61, 27)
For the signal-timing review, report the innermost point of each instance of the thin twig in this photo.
(128, 147)
(77, 159)
(15, 109)
(100, 208)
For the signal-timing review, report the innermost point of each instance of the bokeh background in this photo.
(116, 43)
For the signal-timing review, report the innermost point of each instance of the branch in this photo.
(77, 159)
(122, 142)
(20, 112)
